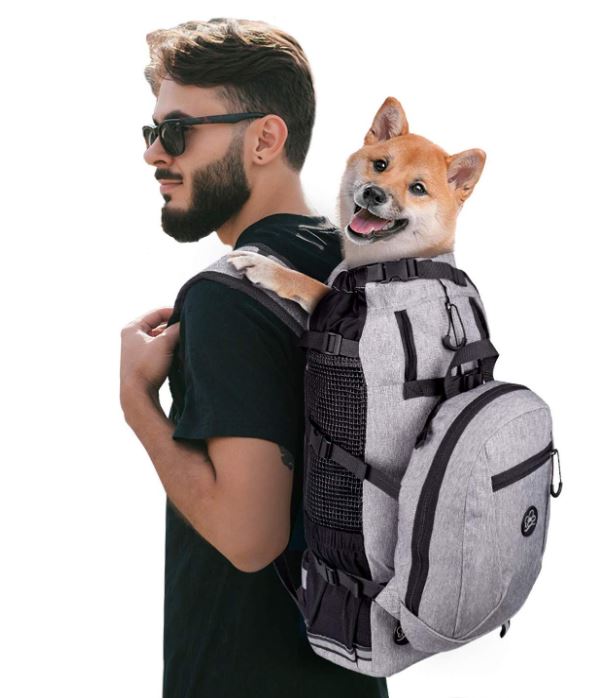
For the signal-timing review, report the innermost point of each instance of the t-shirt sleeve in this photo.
(243, 370)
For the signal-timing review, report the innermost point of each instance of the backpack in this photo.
(426, 497)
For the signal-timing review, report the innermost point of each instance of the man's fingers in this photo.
(152, 319)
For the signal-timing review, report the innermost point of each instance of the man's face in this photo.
(208, 180)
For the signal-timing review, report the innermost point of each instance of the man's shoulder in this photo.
(221, 309)
(309, 244)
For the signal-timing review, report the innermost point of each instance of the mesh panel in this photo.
(335, 398)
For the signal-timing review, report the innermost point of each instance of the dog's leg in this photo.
(287, 283)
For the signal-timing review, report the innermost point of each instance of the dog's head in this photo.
(403, 191)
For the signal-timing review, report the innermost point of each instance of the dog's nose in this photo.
(373, 195)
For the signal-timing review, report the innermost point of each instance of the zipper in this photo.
(407, 338)
(427, 504)
(523, 469)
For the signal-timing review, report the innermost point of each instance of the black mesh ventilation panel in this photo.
(335, 398)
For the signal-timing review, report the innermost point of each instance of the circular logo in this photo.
(399, 635)
(528, 523)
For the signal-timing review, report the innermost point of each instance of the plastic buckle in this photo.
(411, 265)
(323, 447)
(335, 340)
(470, 380)
(331, 576)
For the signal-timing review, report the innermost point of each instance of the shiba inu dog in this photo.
(400, 196)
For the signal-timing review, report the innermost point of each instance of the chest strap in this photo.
(324, 448)
(404, 269)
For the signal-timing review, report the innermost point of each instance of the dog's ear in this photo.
(389, 122)
(464, 170)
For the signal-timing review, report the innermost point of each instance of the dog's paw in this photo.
(258, 269)
(242, 260)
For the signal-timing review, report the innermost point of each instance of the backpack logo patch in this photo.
(528, 523)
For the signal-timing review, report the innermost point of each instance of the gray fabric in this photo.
(481, 568)
(392, 422)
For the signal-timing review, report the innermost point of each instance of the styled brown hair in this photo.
(256, 67)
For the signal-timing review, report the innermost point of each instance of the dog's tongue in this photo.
(365, 222)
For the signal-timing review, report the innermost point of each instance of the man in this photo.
(230, 454)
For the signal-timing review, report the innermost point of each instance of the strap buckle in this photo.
(333, 343)
(470, 380)
(329, 574)
(411, 265)
(321, 445)
(400, 269)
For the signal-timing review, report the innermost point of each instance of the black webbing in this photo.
(358, 586)
(329, 343)
(406, 269)
(282, 569)
(423, 387)
(325, 448)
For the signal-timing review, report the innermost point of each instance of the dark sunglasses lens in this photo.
(172, 138)
(149, 135)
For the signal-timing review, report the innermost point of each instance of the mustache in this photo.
(163, 174)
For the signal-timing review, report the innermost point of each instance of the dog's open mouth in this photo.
(366, 225)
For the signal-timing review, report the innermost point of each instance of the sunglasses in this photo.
(171, 131)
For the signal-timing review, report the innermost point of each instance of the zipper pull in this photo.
(559, 489)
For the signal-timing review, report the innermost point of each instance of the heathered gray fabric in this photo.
(481, 567)
(392, 421)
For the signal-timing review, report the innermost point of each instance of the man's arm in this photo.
(236, 495)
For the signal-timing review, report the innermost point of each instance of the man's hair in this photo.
(255, 66)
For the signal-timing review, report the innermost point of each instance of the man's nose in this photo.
(156, 154)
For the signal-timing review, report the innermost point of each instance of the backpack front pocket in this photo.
(521, 498)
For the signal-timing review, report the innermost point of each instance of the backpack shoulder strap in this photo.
(289, 312)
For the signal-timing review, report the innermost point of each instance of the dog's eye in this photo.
(418, 188)
(380, 165)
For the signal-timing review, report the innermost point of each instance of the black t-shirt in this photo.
(230, 633)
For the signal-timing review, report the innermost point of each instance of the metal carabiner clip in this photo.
(446, 339)
(559, 468)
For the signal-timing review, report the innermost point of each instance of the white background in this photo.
(83, 254)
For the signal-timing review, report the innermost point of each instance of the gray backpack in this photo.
(426, 492)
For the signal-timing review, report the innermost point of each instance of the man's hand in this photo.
(147, 346)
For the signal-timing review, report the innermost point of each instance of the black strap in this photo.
(329, 343)
(282, 569)
(358, 586)
(325, 448)
(406, 269)
(481, 350)
(423, 387)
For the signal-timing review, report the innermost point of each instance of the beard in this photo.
(219, 191)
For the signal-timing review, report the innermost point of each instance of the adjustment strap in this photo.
(324, 448)
(481, 350)
(407, 269)
(358, 586)
(329, 343)
(423, 387)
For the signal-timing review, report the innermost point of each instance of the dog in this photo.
(399, 196)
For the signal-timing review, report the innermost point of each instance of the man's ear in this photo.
(270, 136)
(464, 171)
(389, 122)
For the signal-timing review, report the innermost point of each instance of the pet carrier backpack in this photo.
(426, 493)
